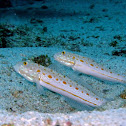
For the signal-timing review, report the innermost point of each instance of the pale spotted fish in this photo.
(58, 83)
(87, 66)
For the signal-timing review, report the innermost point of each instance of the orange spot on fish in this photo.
(70, 85)
(73, 57)
(43, 73)
(96, 98)
(64, 82)
(81, 60)
(87, 94)
(91, 64)
(82, 92)
(56, 79)
(49, 76)
(76, 88)
(102, 69)
(38, 70)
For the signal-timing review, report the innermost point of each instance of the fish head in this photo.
(65, 58)
(26, 69)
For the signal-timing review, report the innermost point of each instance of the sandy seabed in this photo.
(19, 97)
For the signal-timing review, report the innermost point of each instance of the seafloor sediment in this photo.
(19, 97)
(113, 117)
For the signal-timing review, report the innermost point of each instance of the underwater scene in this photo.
(62, 62)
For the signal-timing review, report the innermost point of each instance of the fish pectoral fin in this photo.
(40, 88)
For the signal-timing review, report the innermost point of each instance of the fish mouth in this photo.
(16, 67)
(56, 56)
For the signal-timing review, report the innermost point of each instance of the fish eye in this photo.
(63, 52)
(25, 63)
